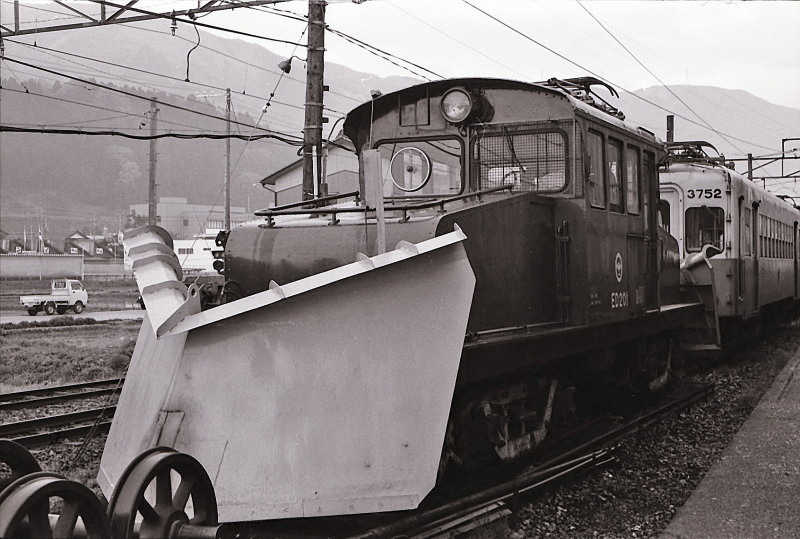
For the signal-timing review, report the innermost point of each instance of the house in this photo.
(341, 174)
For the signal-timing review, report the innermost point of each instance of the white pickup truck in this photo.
(64, 294)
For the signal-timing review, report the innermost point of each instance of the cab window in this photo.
(422, 167)
(77, 286)
(704, 226)
(632, 179)
(597, 184)
(615, 176)
(526, 160)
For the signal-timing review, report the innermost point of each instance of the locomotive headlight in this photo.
(456, 105)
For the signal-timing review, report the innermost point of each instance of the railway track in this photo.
(478, 509)
(58, 426)
(46, 396)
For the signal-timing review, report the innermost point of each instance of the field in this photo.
(37, 356)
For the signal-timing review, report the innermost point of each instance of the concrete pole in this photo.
(151, 197)
(228, 160)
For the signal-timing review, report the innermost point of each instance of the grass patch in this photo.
(78, 353)
(53, 322)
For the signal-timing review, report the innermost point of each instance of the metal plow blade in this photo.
(325, 396)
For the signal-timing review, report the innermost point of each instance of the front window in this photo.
(527, 160)
(421, 167)
(704, 226)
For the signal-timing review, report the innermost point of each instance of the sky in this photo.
(634, 44)
(753, 46)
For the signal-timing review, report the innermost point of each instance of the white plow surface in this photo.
(325, 396)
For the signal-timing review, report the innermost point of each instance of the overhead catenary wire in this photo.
(655, 76)
(600, 77)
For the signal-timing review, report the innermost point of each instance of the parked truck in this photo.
(64, 294)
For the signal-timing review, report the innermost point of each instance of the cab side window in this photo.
(597, 185)
(615, 176)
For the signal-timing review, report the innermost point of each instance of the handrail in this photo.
(314, 201)
(289, 209)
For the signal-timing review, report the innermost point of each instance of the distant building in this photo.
(185, 221)
(341, 174)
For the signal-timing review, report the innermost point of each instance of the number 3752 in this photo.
(704, 193)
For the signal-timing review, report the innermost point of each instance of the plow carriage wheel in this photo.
(25, 509)
(163, 494)
(15, 462)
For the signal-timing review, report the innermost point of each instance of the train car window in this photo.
(704, 226)
(663, 214)
(427, 167)
(527, 160)
(614, 176)
(650, 184)
(747, 218)
(632, 179)
(597, 182)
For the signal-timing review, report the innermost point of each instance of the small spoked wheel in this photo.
(159, 493)
(25, 509)
(15, 462)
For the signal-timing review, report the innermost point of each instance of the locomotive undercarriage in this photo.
(508, 418)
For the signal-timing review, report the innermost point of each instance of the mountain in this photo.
(88, 182)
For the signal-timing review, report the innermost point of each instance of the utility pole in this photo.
(312, 132)
(228, 160)
(151, 197)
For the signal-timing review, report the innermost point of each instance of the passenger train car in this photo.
(752, 233)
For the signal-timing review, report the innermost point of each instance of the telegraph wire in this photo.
(123, 92)
(183, 136)
(364, 45)
(601, 77)
(656, 76)
(457, 40)
(170, 18)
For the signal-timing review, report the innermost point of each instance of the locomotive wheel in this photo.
(25, 505)
(15, 462)
(148, 496)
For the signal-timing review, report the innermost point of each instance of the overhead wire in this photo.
(600, 77)
(120, 91)
(656, 76)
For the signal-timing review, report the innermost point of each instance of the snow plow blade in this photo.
(325, 396)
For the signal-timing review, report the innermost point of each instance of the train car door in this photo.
(757, 246)
(794, 254)
(672, 195)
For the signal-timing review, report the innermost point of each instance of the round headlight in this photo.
(456, 105)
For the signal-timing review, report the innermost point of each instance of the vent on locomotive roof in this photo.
(581, 88)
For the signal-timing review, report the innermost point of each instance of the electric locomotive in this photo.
(557, 196)
(747, 234)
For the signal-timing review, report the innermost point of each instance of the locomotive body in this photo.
(529, 283)
(557, 198)
(754, 232)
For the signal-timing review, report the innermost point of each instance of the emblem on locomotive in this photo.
(618, 267)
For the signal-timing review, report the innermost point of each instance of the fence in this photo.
(41, 266)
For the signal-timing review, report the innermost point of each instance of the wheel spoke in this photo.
(65, 524)
(183, 492)
(164, 487)
(147, 511)
(38, 519)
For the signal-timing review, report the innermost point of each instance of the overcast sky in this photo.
(753, 46)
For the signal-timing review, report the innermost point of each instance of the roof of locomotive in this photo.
(580, 98)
